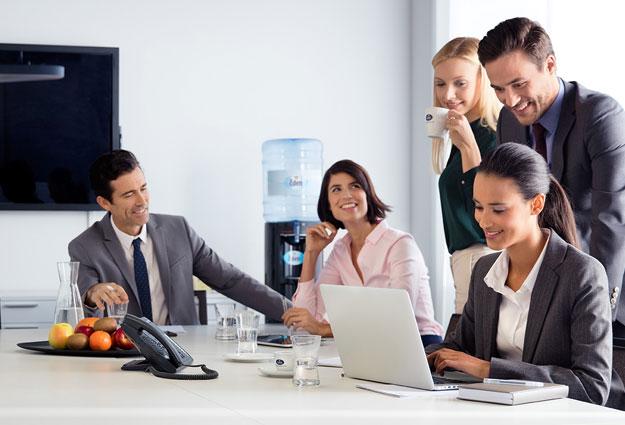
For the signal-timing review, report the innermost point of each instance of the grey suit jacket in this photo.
(180, 254)
(568, 339)
(588, 159)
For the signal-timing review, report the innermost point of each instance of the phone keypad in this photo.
(154, 343)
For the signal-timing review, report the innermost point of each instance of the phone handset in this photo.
(163, 356)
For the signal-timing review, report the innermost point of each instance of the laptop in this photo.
(378, 339)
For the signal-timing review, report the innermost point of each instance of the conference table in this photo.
(45, 389)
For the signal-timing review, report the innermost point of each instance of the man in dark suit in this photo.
(149, 259)
(581, 134)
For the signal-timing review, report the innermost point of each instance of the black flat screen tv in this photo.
(51, 131)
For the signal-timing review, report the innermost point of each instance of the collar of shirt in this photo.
(372, 238)
(549, 120)
(125, 239)
(498, 274)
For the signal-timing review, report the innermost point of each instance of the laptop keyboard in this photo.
(457, 378)
(440, 380)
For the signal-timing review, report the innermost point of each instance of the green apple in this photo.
(59, 332)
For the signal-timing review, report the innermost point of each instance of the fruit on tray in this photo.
(58, 334)
(87, 321)
(100, 341)
(77, 341)
(121, 340)
(87, 330)
(90, 333)
(106, 324)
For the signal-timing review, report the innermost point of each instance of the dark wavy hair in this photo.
(516, 34)
(109, 167)
(529, 171)
(376, 209)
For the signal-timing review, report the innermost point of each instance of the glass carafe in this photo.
(68, 301)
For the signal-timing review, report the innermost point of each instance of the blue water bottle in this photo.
(292, 170)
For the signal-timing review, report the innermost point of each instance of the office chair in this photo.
(202, 306)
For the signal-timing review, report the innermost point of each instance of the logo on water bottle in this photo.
(293, 258)
(279, 362)
(428, 117)
(296, 181)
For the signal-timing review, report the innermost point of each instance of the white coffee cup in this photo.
(283, 360)
(435, 122)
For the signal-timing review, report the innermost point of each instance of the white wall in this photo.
(474, 19)
(204, 83)
(429, 31)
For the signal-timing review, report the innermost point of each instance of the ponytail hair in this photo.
(530, 173)
(558, 213)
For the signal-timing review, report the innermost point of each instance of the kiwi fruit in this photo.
(77, 341)
(107, 324)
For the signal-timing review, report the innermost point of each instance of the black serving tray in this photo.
(44, 347)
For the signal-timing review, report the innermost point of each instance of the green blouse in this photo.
(456, 191)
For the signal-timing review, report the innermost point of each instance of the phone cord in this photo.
(208, 373)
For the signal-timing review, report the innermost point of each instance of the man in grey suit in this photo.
(580, 133)
(148, 259)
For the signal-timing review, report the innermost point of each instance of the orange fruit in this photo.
(100, 341)
(87, 321)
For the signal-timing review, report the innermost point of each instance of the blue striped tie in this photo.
(142, 280)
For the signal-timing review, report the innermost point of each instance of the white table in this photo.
(46, 389)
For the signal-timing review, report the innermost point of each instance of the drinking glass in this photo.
(117, 311)
(306, 349)
(226, 322)
(247, 331)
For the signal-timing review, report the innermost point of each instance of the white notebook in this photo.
(511, 394)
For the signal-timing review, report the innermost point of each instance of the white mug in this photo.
(283, 360)
(435, 122)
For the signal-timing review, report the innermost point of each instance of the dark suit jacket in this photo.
(180, 254)
(588, 159)
(568, 339)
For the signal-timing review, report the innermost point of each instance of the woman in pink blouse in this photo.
(370, 254)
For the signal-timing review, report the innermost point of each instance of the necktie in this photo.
(141, 279)
(540, 143)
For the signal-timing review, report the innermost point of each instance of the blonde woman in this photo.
(461, 85)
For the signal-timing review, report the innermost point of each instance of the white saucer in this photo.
(275, 373)
(249, 357)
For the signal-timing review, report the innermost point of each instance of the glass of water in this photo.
(226, 328)
(117, 311)
(306, 348)
(247, 331)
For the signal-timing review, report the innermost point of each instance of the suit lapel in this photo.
(113, 246)
(159, 245)
(546, 283)
(490, 320)
(565, 123)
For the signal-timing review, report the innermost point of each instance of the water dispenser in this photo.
(292, 172)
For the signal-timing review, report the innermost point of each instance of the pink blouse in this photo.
(389, 259)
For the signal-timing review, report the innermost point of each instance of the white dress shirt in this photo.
(159, 308)
(514, 306)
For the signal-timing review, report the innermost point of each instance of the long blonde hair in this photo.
(488, 105)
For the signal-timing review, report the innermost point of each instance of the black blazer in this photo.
(568, 339)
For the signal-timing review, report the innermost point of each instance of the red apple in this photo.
(87, 330)
(121, 340)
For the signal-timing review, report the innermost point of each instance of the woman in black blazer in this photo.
(539, 309)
